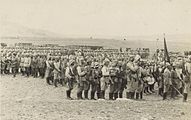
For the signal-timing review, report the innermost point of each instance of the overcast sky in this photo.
(101, 17)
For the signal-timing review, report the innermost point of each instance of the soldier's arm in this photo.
(67, 73)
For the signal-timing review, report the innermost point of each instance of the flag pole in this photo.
(166, 55)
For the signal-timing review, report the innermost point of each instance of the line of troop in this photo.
(94, 73)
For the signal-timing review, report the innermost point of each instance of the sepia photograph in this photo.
(95, 60)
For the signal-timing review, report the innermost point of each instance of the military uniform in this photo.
(83, 84)
(122, 79)
(14, 65)
(56, 72)
(41, 66)
(132, 84)
(22, 68)
(70, 78)
(2, 65)
(34, 68)
(27, 63)
(49, 70)
(167, 82)
(104, 81)
(114, 81)
(187, 79)
(95, 83)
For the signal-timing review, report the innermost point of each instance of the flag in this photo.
(166, 55)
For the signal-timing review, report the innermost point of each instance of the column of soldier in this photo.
(94, 73)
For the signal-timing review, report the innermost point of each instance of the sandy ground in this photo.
(32, 99)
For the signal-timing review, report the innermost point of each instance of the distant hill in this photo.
(13, 33)
(9, 29)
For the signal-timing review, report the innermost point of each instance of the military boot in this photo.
(164, 96)
(132, 95)
(68, 94)
(102, 95)
(110, 96)
(47, 81)
(115, 96)
(78, 96)
(98, 95)
(185, 97)
(128, 95)
(55, 83)
(137, 95)
(141, 95)
(92, 96)
(120, 95)
(86, 94)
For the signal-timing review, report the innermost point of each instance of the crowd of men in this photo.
(95, 72)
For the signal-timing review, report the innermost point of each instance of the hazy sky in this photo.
(101, 17)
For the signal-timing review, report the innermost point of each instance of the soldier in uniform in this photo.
(70, 78)
(95, 83)
(49, 69)
(104, 81)
(22, 68)
(27, 63)
(41, 66)
(34, 66)
(141, 75)
(14, 65)
(175, 80)
(2, 64)
(56, 71)
(113, 76)
(88, 69)
(132, 84)
(63, 70)
(167, 80)
(122, 78)
(83, 84)
(187, 79)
